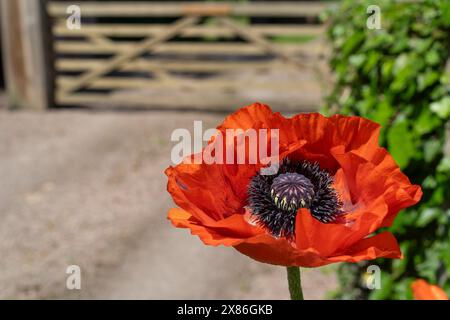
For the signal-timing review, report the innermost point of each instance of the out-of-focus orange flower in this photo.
(422, 290)
(335, 187)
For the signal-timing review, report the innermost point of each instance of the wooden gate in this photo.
(189, 54)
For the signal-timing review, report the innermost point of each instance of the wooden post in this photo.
(26, 54)
(2, 81)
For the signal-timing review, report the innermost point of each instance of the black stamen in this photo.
(275, 199)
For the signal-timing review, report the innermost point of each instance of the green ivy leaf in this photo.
(432, 58)
(382, 113)
(405, 70)
(420, 45)
(428, 215)
(427, 79)
(426, 122)
(401, 143)
(357, 60)
(442, 107)
(444, 165)
(428, 266)
(431, 149)
(352, 42)
(445, 11)
(429, 182)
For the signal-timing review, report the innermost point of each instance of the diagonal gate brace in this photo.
(145, 46)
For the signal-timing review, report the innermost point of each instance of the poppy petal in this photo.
(422, 290)
(353, 133)
(382, 245)
(228, 232)
(329, 238)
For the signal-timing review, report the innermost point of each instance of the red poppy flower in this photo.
(334, 188)
(422, 290)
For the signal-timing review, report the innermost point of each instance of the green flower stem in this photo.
(295, 283)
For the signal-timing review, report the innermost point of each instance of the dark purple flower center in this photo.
(275, 199)
(291, 191)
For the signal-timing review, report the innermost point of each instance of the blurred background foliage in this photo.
(396, 76)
